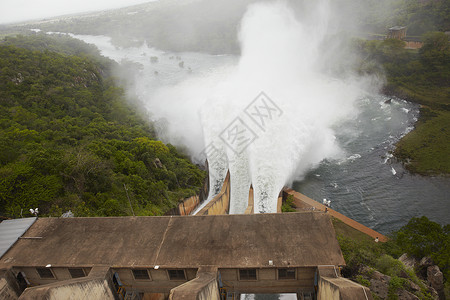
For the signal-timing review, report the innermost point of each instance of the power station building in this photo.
(175, 257)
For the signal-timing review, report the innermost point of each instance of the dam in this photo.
(210, 255)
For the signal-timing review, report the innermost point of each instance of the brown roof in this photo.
(226, 241)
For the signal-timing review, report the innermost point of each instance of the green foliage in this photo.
(395, 284)
(288, 205)
(418, 16)
(363, 257)
(70, 140)
(425, 149)
(422, 237)
(388, 265)
(435, 52)
(362, 280)
(435, 43)
(59, 43)
(358, 253)
(422, 77)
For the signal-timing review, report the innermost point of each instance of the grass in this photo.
(347, 231)
(288, 205)
(426, 149)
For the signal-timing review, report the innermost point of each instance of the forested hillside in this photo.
(70, 140)
(212, 26)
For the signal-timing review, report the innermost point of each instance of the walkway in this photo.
(303, 202)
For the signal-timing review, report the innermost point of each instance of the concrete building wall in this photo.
(7, 292)
(98, 285)
(279, 204)
(33, 276)
(88, 289)
(210, 292)
(155, 296)
(189, 205)
(413, 44)
(332, 287)
(327, 291)
(220, 205)
(185, 206)
(203, 287)
(268, 281)
(341, 289)
(59, 273)
(9, 288)
(159, 281)
(251, 202)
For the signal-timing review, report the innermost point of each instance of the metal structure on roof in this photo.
(11, 231)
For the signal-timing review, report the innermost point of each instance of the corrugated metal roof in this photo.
(11, 230)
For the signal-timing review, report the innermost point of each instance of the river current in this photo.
(367, 184)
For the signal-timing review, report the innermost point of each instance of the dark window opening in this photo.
(176, 274)
(247, 274)
(118, 286)
(76, 272)
(286, 273)
(45, 273)
(23, 281)
(141, 274)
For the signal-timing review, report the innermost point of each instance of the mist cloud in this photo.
(281, 55)
(23, 10)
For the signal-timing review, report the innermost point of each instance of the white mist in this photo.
(281, 56)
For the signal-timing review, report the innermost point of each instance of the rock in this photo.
(421, 269)
(414, 287)
(403, 274)
(405, 295)
(380, 276)
(435, 277)
(433, 293)
(436, 280)
(426, 261)
(409, 262)
(157, 163)
(379, 284)
(367, 271)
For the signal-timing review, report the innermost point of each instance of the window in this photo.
(23, 281)
(141, 274)
(45, 273)
(286, 273)
(247, 274)
(176, 274)
(77, 272)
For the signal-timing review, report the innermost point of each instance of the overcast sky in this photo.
(22, 10)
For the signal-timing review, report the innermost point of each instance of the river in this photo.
(369, 185)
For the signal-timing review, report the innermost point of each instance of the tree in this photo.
(69, 139)
(435, 51)
(422, 237)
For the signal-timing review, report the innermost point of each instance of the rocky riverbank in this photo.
(414, 280)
